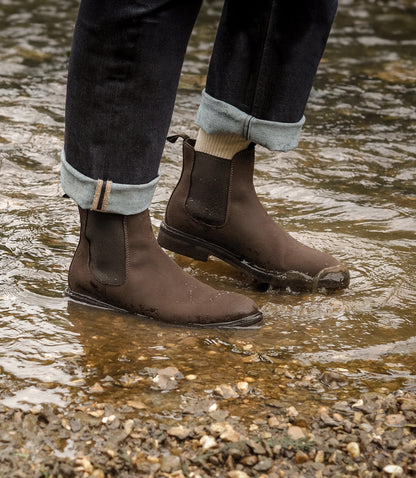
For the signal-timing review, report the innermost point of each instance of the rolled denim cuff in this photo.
(217, 117)
(105, 195)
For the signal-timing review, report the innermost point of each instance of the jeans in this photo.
(124, 71)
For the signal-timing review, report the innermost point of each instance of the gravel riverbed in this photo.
(372, 436)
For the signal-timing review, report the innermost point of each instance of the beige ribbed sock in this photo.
(221, 145)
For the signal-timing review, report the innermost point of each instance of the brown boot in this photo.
(214, 210)
(119, 264)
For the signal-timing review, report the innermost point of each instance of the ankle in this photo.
(220, 145)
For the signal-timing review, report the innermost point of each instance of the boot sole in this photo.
(251, 321)
(331, 278)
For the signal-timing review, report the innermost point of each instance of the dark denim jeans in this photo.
(124, 70)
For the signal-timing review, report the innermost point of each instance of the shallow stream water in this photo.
(349, 189)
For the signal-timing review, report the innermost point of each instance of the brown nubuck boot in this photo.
(214, 210)
(119, 264)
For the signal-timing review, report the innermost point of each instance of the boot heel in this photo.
(175, 241)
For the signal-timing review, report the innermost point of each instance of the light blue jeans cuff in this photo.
(217, 117)
(105, 195)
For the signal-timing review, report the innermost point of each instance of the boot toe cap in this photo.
(236, 310)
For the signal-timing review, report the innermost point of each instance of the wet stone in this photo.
(393, 470)
(408, 405)
(179, 432)
(264, 464)
(207, 442)
(395, 420)
(250, 460)
(226, 391)
(76, 425)
(301, 457)
(237, 474)
(257, 448)
(170, 463)
(353, 448)
(296, 433)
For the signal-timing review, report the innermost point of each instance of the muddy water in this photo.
(350, 188)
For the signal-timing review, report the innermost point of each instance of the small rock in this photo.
(128, 426)
(273, 422)
(137, 404)
(129, 380)
(256, 447)
(320, 456)
(333, 459)
(212, 408)
(166, 378)
(395, 420)
(152, 459)
(366, 427)
(76, 425)
(353, 448)
(200, 406)
(264, 464)
(179, 432)
(190, 377)
(328, 420)
(225, 431)
(225, 391)
(96, 388)
(277, 449)
(165, 382)
(250, 460)
(357, 417)
(243, 387)
(408, 405)
(292, 412)
(207, 442)
(171, 372)
(301, 457)
(170, 463)
(237, 474)
(348, 426)
(218, 428)
(251, 358)
(98, 474)
(394, 470)
(296, 433)
(66, 470)
(410, 447)
(66, 424)
(108, 419)
(96, 413)
(177, 474)
(85, 464)
(331, 379)
(247, 346)
(230, 435)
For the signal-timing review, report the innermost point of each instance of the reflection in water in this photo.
(350, 188)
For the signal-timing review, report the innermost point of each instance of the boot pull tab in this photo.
(175, 137)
